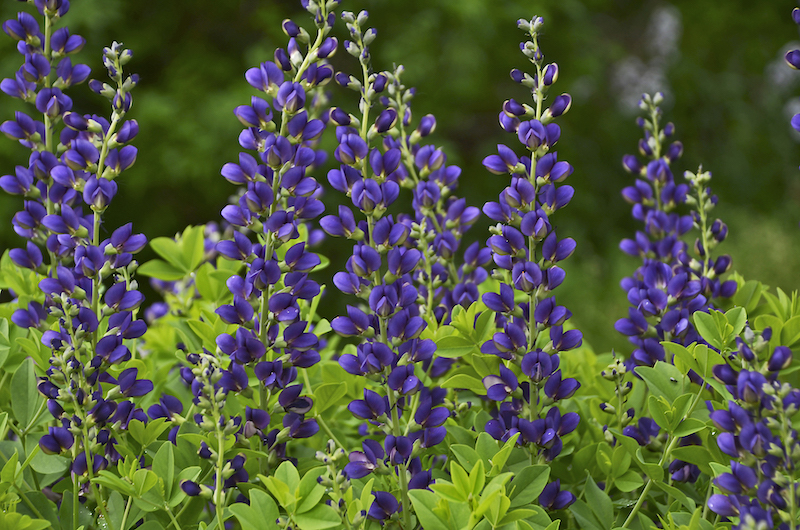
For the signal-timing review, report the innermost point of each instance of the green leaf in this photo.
(9, 472)
(585, 516)
(659, 408)
(171, 251)
(585, 458)
(192, 243)
(5, 344)
(279, 490)
(682, 357)
(477, 478)
(205, 331)
(424, 502)
(18, 521)
(663, 379)
(486, 446)
(49, 464)
(454, 346)
(678, 495)
(629, 481)
(310, 491)
(736, 317)
(516, 515)
(706, 359)
(260, 515)
(448, 491)
(466, 455)
(111, 481)
(460, 479)
(161, 270)
(189, 473)
(604, 456)
(748, 295)
(288, 474)
(27, 398)
(321, 517)
(467, 382)
(501, 457)
(620, 462)
(697, 455)
(164, 467)
(146, 435)
(790, 334)
(654, 471)
(689, 426)
(144, 480)
(367, 496)
(328, 395)
(210, 283)
(707, 328)
(599, 502)
(528, 484)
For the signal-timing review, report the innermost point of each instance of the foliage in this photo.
(452, 392)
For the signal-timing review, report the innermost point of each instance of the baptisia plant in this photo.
(245, 383)
(673, 281)
(526, 250)
(407, 415)
(445, 395)
(670, 287)
(85, 312)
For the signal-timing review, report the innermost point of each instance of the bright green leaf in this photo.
(27, 398)
(454, 346)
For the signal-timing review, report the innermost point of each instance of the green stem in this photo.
(124, 521)
(28, 503)
(75, 500)
(401, 467)
(708, 496)
(173, 520)
(112, 128)
(101, 504)
(218, 495)
(329, 432)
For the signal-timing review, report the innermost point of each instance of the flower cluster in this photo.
(89, 290)
(756, 433)
(381, 272)
(670, 284)
(440, 218)
(526, 250)
(269, 337)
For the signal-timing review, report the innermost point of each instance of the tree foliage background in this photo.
(720, 64)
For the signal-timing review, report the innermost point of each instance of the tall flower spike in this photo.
(67, 186)
(440, 218)
(268, 234)
(525, 250)
(670, 284)
(389, 260)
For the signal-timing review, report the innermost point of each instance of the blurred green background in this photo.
(720, 64)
